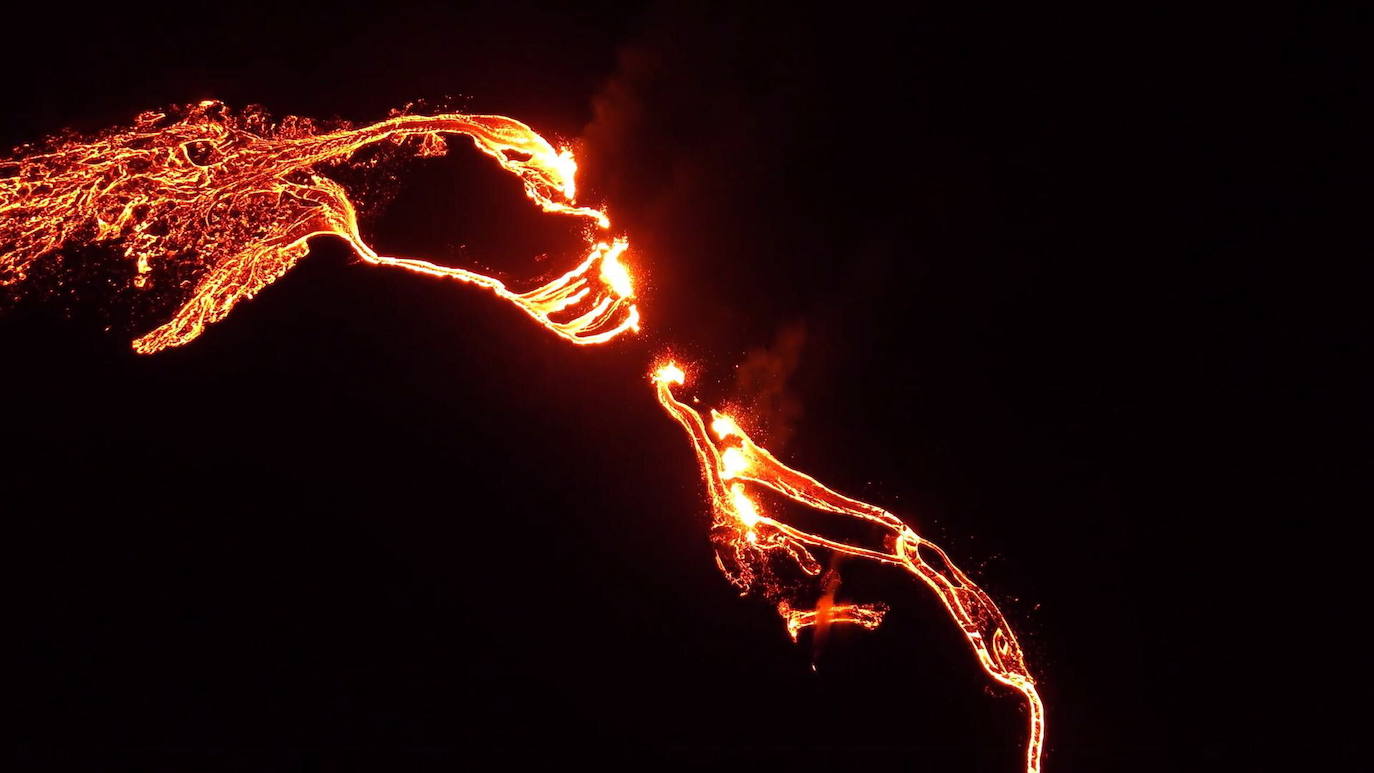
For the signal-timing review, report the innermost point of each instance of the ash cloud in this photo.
(763, 386)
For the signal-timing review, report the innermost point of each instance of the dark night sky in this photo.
(1059, 308)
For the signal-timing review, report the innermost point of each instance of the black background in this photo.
(1061, 311)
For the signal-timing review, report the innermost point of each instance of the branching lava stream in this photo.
(232, 200)
(239, 196)
(746, 539)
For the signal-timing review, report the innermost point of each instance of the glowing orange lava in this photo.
(235, 199)
(748, 541)
(228, 203)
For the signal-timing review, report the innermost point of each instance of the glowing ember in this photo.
(749, 543)
(235, 199)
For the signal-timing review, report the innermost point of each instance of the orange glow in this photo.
(865, 615)
(748, 541)
(234, 200)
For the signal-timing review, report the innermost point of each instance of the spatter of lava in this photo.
(749, 543)
(232, 200)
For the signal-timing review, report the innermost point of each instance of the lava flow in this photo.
(233, 201)
(224, 205)
(749, 543)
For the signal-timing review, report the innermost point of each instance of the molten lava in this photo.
(231, 201)
(234, 200)
(750, 542)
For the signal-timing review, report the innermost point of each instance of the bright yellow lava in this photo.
(732, 463)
